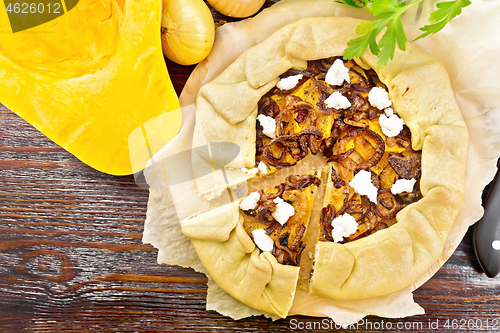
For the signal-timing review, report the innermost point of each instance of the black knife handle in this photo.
(487, 232)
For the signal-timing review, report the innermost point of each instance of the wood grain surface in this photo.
(71, 257)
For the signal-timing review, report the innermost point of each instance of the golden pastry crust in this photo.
(228, 253)
(419, 88)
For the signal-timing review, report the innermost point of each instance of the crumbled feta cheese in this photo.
(290, 82)
(391, 126)
(262, 167)
(283, 211)
(250, 202)
(337, 73)
(343, 226)
(250, 172)
(268, 125)
(379, 98)
(403, 185)
(337, 101)
(388, 112)
(362, 184)
(262, 240)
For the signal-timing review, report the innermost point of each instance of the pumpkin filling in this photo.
(341, 111)
(276, 218)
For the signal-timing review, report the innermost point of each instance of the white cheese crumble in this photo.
(391, 126)
(262, 168)
(290, 82)
(403, 185)
(268, 125)
(283, 211)
(337, 101)
(379, 98)
(250, 202)
(388, 112)
(250, 172)
(262, 240)
(343, 226)
(362, 184)
(337, 73)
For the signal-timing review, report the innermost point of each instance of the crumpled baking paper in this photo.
(468, 47)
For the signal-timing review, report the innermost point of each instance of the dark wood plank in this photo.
(71, 256)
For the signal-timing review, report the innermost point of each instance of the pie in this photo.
(374, 215)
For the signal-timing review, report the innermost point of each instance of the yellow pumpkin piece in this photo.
(363, 147)
(388, 177)
(187, 31)
(237, 8)
(91, 78)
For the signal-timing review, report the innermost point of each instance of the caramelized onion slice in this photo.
(357, 209)
(284, 144)
(355, 123)
(269, 157)
(372, 137)
(403, 139)
(298, 111)
(407, 165)
(268, 107)
(283, 259)
(297, 182)
(387, 206)
(308, 139)
(298, 238)
(328, 213)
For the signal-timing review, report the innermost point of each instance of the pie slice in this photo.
(281, 214)
(252, 247)
(371, 196)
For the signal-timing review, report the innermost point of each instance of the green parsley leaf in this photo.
(394, 34)
(389, 15)
(353, 3)
(385, 8)
(446, 12)
(357, 45)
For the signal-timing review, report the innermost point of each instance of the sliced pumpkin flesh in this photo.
(90, 78)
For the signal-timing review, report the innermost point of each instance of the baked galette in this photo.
(373, 215)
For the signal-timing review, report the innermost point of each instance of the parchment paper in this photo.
(468, 47)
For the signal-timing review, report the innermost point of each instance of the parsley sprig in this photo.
(388, 13)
